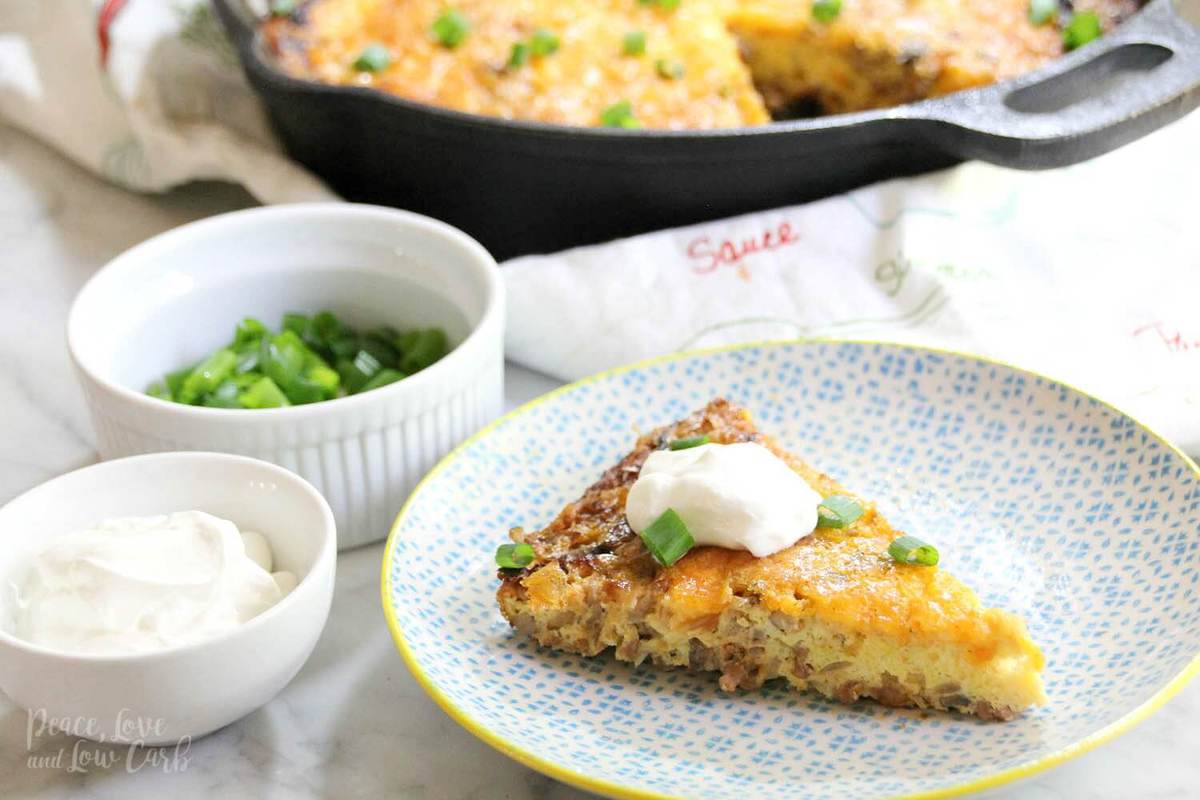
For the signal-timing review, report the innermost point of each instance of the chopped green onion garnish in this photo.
(514, 556)
(263, 393)
(248, 357)
(838, 511)
(327, 326)
(381, 348)
(225, 395)
(373, 59)
(174, 381)
(296, 363)
(405, 341)
(911, 550)
(634, 43)
(282, 8)
(667, 538)
(159, 389)
(366, 363)
(619, 115)
(356, 373)
(691, 441)
(1083, 28)
(451, 28)
(324, 376)
(1042, 11)
(383, 378)
(826, 10)
(246, 380)
(519, 55)
(282, 358)
(422, 349)
(666, 5)
(207, 376)
(302, 390)
(249, 330)
(344, 346)
(544, 42)
(297, 323)
(671, 70)
(385, 333)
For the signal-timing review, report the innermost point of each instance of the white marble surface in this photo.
(353, 723)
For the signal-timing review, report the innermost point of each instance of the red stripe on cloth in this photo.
(108, 15)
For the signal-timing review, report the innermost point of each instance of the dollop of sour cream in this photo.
(138, 584)
(740, 496)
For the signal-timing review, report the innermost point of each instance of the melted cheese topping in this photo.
(573, 86)
(738, 57)
(849, 581)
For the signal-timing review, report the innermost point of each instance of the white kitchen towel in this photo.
(1089, 274)
(147, 93)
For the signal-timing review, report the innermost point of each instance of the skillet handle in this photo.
(1141, 76)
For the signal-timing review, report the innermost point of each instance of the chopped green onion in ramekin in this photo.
(311, 359)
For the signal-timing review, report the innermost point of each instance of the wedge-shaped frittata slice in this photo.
(833, 613)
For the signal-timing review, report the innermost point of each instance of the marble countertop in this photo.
(353, 723)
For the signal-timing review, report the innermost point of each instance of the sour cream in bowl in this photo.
(177, 590)
(138, 584)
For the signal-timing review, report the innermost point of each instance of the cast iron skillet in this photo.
(526, 187)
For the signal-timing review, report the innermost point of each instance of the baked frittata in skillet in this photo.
(833, 612)
(675, 64)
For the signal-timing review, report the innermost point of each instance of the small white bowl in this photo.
(175, 298)
(162, 697)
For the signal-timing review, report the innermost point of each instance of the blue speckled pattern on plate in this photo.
(1048, 503)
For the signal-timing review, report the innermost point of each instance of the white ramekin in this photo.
(176, 297)
(163, 697)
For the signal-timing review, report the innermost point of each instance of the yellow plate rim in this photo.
(616, 790)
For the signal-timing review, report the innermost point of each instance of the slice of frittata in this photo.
(834, 612)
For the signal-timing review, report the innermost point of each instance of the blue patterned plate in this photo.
(1047, 502)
